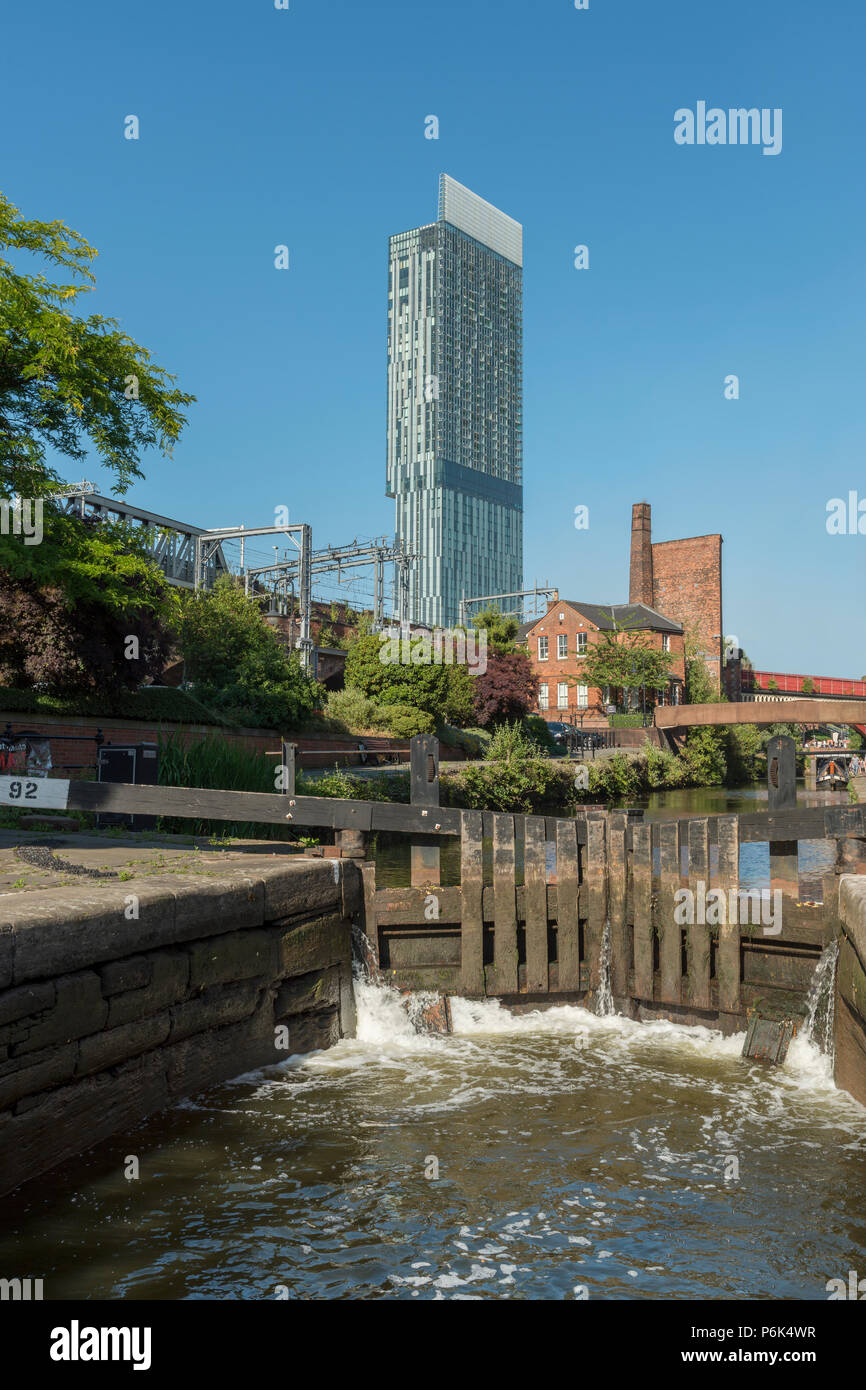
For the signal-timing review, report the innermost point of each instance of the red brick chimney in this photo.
(640, 582)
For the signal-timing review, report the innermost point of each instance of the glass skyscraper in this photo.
(455, 397)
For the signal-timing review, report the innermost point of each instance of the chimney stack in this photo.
(640, 586)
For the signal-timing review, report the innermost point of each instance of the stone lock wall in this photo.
(850, 1018)
(106, 1018)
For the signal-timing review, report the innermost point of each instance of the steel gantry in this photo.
(301, 535)
(334, 559)
(547, 590)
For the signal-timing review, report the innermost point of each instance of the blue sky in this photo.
(306, 127)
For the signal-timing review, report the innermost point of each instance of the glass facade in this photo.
(455, 393)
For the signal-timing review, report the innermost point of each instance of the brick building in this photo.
(558, 642)
(682, 579)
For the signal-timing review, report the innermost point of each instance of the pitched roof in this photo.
(612, 616)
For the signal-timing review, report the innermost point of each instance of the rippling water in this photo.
(549, 1155)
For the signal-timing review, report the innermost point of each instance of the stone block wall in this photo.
(850, 1022)
(119, 1000)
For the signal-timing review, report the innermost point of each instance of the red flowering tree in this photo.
(506, 691)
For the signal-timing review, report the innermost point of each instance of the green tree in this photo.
(501, 629)
(237, 662)
(441, 690)
(625, 659)
(85, 610)
(703, 757)
(68, 383)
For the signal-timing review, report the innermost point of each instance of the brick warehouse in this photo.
(682, 579)
(558, 642)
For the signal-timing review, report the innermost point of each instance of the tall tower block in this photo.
(455, 396)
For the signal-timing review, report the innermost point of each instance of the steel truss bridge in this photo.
(192, 557)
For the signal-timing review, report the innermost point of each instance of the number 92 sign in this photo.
(34, 791)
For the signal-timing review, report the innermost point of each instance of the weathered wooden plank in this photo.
(669, 931)
(535, 905)
(424, 854)
(409, 906)
(567, 906)
(369, 924)
(200, 803)
(505, 907)
(728, 954)
(596, 878)
(699, 931)
(471, 905)
(204, 803)
(617, 869)
(288, 756)
(806, 823)
(642, 863)
(401, 907)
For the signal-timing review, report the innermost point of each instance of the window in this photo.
(666, 642)
(581, 644)
(542, 649)
(542, 695)
(562, 695)
(582, 696)
(562, 646)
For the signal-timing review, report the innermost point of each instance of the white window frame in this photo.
(562, 695)
(581, 644)
(561, 646)
(666, 641)
(542, 648)
(583, 697)
(543, 696)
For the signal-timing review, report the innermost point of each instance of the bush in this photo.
(151, 703)
(278, 705)
(662, 768)
(703, 758)
(517, 778)
(473, 742)
(524, 785)
(404, 721)
(443, 691)
(616, 778)
(538, 730)
(511, 743)
(352, 708)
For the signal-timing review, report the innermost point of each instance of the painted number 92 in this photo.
(23, 790)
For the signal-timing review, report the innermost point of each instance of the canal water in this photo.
(553, 1155)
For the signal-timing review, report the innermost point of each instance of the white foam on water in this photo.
(459, 1069)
